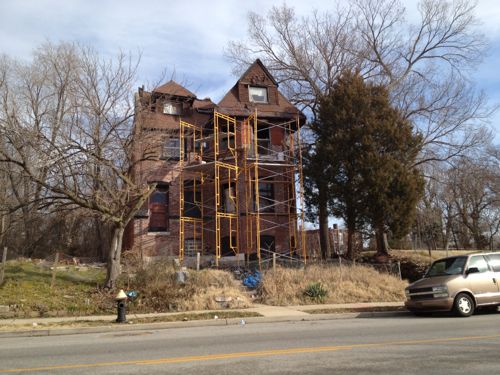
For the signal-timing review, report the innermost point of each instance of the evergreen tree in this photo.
(370, 149)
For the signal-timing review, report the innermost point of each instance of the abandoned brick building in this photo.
(229, 174)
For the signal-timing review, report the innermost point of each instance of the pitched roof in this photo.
(174, 89)
(263, 67)
(232, 105)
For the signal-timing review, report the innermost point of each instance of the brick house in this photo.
(227, 173)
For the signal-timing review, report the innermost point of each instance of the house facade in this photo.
(227, 176)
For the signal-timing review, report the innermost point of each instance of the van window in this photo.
(494, 261)
(447, 266)
(479, 262)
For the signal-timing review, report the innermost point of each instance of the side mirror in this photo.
(472, 270)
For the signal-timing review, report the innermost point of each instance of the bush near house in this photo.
(160, 290)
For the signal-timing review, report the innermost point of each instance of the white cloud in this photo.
(188, 36)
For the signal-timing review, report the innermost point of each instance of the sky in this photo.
(186, 37)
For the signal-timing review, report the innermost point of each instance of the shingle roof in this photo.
(174, 89)
(264, 69)
(232, 105)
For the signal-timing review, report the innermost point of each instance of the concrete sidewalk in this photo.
(106, 323)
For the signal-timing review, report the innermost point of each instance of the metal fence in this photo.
(271, 260)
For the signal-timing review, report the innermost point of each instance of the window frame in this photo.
(266, 195)
(190, 248)
(475, 258)
(171, 152)
(192, 199)
(229, 188)
(494, 261)
(163, 189)
(251, 97)
(173, 105)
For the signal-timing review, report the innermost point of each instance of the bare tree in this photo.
(305, 55)
(475, 184)
(67, 122)
(425, 65)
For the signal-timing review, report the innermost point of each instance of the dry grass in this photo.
(159, 290)
(27, 290)
(346, 284)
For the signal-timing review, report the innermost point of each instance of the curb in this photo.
(106, 328)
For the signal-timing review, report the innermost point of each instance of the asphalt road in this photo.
(403, 345)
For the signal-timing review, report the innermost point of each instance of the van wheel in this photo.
(463, 305)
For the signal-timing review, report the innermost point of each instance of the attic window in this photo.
(257, 94)
(171, 108)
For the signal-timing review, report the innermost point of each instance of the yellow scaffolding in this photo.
(226, 169)
(193, 134)
(260, 169)
(236, 166)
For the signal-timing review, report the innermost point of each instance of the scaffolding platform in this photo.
(240, 189)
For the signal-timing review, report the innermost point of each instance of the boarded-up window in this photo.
(277, 136)
(158, 208)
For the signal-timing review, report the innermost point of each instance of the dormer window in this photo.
(257, 94)
(171, 108)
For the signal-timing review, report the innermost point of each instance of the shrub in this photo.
(158, 289)
(316, 292)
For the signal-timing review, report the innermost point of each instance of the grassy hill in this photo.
(78, 292)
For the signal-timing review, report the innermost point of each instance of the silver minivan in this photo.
(459, 283)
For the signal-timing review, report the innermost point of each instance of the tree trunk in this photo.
(324, 242)
(447, 238)
(350, 249)
(382, 248)
(351, 229)
(113, 266)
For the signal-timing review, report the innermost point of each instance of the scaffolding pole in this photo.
(194, 135)
(238, 155)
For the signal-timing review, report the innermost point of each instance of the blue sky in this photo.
(186, 36)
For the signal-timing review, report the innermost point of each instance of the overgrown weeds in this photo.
(160, 290)
(27, 292)
(329, 284)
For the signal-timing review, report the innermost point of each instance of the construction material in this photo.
(238, 188)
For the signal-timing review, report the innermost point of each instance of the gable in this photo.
(236, 102)
(258, 75)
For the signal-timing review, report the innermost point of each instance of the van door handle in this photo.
(494, 281)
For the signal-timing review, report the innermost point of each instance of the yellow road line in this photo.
(261, 353)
